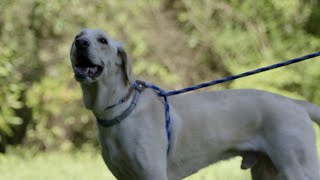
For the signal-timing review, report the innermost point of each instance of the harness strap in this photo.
(139, 86)
(124, 99)
(161, 93)
(118, 119)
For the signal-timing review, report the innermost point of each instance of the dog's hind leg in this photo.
(297, 165)
(293, 152)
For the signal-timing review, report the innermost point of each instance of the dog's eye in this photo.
(103, 40)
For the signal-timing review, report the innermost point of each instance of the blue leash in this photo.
(165, 94)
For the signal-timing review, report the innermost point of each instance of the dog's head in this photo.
(95, 56)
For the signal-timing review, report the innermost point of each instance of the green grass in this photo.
(87, 165)
(53, 166)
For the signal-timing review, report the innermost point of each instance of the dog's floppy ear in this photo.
(126, 64)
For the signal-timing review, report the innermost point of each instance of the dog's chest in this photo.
(117, 156)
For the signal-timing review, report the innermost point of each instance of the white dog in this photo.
(272, 133)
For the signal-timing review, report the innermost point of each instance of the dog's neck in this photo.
(101, 94)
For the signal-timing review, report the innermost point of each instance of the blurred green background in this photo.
(45, 132)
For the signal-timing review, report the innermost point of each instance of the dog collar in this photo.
(137, 87)
(124, 99)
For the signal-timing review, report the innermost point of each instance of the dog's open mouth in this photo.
(85, 68)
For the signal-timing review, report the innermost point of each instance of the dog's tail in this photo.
(312, 109)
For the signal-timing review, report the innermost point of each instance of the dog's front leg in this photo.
(138, 164)
(135, 156)
(150, 162)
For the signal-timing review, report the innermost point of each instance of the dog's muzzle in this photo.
(84, 68)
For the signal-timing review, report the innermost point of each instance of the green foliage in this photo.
(9, 94)
(251, 34)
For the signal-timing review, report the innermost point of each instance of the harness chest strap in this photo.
(122, 100)
(118, 119)
(161, 93)
(139, 86)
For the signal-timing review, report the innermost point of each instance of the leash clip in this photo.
(139, 85)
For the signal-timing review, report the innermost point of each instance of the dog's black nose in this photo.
(82, 43)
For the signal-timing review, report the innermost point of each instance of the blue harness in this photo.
(140, 85)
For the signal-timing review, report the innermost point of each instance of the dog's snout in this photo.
(82, 43)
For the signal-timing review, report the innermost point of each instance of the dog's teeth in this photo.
(87, 70)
